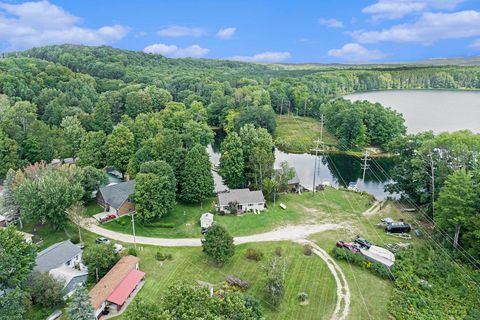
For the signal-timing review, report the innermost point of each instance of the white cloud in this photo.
(331, 23)
(31, 24)
(268, 56)
(226, 33)
(181, 31)
(430, 28)
(475, 44)
(172, 51)
(395, 9)
(354, 52)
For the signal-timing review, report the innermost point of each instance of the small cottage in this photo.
(116, 198)
(120, 283)
(241, 200)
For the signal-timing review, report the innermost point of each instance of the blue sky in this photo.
(326, 31)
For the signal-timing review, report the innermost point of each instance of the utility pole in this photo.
(318, 148)
(365, 164)
(133, 228)
(432, 173)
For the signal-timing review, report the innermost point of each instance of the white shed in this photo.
(206, 220)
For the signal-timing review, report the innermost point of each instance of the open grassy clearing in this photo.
(330, 205)
(92, 208)
(295, 134)
(304, 274)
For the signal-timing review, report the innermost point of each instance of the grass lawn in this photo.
(329, 205)
(296, 134)
(304, 274)
(93, 208)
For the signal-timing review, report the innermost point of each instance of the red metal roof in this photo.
(126, 287)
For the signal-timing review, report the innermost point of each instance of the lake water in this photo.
(337, 170)
(434, 110)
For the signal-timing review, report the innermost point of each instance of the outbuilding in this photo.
(241, 200)
(206, 220)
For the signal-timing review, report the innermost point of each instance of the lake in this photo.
(337, 170)
(434, 110)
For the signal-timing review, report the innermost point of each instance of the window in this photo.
(250, 204)
(129, 209)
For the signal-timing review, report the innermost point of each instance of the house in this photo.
(116, 198)
(63, 262)
(294, 184)
(117, 285)
(206, 220)
(242, 199)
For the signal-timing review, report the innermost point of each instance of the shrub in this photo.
(302, 296)
(361, 261)
(132, 251)
(307, 250)
(218, 244)
(279, 251)
(274, 289)
(75, 239)
(45, 291)
(253, 254)
(160, 256)
(237, 282)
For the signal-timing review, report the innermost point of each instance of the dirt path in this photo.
(342, 307)
(288, 233)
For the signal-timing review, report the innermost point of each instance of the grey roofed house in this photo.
(116, 194)
(70, 277)
(242, 196)
(56, 255)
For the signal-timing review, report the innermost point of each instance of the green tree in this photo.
(160, 97)
(231, 161)
(9, 158)
(155, 190)
(17, 258)
(14, 305)
(91, 179)
(73, 132)
(197, 184)
(275, 282)
(92, 150)
(102, 117)
(456, 204)
(120, 148)
(137, 103)
(47, 197)
(99, 259)
(79, 308)
(143, 310)
(218, 244)
(44, 290)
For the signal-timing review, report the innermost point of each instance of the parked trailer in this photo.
(379, 255)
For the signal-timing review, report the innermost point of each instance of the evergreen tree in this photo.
(218, 244)
(92, 150)
(231, 161)
(79, 307)
(8, 154)
(120, 148)
(197, 184)
(155, 190)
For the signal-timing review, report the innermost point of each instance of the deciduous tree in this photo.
(120, 148)
(197, 184)
(218, 244)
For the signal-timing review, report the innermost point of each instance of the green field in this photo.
(304, 274)
(295, 134)
(329, 205)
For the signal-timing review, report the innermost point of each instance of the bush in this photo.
(45, 291)
(307, 250)
(361, 261)
(132, 251)
(75, 239)
(302, 296)
(160, 256)
(279, 251)
(253, 254)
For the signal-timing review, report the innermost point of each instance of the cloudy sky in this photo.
(344, 31)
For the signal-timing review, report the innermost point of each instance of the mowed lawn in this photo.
(330, 205)
(296, 134)
(304, 274)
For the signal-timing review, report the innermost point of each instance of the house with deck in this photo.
(122, 282)
(241, 200)
(63, 262)
(117, 198)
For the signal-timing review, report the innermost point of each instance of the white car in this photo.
(118, 247)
